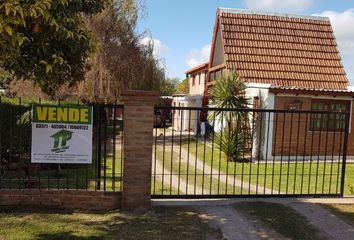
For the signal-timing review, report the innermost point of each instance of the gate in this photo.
(211, 153)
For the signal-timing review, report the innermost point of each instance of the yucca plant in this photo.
(232, 144)
(229, 92)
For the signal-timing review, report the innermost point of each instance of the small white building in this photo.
(188, 120)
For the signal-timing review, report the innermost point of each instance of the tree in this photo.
(46, 41)
(183, 87)
(229, 92)
(169, 86)
(123, 61)
(5, 78)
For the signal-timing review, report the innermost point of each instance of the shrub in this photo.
(229, 92)
(15, 133)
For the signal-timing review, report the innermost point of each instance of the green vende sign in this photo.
(62, 134)
(62, 114)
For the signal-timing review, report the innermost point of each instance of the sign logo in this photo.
(61, 139)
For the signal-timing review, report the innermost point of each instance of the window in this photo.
(193, 80)
(329, 121)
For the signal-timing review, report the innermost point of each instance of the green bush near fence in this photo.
(14, 133)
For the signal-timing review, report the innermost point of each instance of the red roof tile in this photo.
(282, 50)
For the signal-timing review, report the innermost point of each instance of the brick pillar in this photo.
(138, 140)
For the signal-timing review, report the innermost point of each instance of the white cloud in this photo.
(159, 48)
(342, 23)
(279, 5)
(198, 56)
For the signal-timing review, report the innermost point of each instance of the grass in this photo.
(282, 219)
(166, 189)
(342, 211)
(302, 178)
(191, 175)
(160, 223)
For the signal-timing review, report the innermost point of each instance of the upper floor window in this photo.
(193, 80)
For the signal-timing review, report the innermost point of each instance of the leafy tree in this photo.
(5, 78)
(123, 61)
(229, 92)
(169, 86)
(183, 87)
(46, 41)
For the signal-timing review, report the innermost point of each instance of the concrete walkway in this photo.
(228, 201)
(223, 215)
(235, 226)
(329, 225)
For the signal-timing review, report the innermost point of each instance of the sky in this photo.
(181, 30)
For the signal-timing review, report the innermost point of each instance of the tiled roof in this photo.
(282, 50)
(198, 68)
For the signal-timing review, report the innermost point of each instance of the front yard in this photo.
(21, 223)
(201, 164)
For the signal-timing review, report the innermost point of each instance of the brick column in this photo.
(138, 140)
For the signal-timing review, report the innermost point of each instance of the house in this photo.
(287, 62)
(197, 79)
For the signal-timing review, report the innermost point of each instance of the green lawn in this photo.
(301, 178)
(46, 224)
(282, 219)
(156, 188)
(191, 175)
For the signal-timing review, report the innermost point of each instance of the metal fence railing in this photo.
(211, 152)
(17, 171)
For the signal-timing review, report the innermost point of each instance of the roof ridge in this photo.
(248, 11)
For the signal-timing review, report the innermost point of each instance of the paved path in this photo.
(226, 201)
(235, 226)
(329, 225)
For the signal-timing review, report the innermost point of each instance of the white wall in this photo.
(263, 134)
(185, 120)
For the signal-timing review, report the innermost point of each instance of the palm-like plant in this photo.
(229, 92)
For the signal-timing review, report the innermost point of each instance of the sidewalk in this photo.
(235, 226)
(227, 201)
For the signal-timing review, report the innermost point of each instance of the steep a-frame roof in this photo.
(280, 49)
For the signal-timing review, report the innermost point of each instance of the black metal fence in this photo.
(249, 152)
(17, 171)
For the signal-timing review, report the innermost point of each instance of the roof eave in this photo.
(316, 92)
